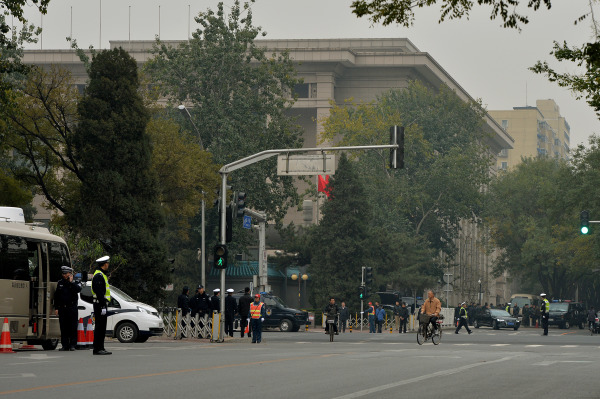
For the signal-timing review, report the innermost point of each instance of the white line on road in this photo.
(532, 346)
(18, 375)
(569, 346)
(463, 344)
(552, 362)
(500, 345)
(380, 388)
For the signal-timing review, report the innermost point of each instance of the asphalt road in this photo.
(488, 363)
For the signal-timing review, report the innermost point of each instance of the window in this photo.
(86, 294)
(59, 256)
(504, 165)
(503, 153)
(504, 124)
(14, 263)
(305, 90)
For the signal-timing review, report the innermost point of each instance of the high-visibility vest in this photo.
(546, 305)
(255, 310)
(107, 293)
(464, 316)
(373, 312)
(507, 308)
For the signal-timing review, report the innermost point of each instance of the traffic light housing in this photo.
(361, 293)
(368, 276)
(240, 204)
(584, 221)
(220, 254)
(397, 154)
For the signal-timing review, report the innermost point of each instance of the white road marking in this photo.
(500, 345)
(552, 362)
(532, 346)
(380, 388)
(569, 346)
(39, 356)
(17, 375)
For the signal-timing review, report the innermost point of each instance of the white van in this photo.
(128, 320)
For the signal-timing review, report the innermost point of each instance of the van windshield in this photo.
(121, 294)
(520, 302)
(559, 307)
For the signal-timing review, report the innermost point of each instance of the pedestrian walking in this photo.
(101, 295)
(380, 316)
(344, 316)
(257, 316)
(404, 315)
(397, 308)
(463, 317)
(371, 316)
(66, 297)
(244, 311)
(230, 310)
(545, 312)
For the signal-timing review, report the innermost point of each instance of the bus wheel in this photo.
(50, 344)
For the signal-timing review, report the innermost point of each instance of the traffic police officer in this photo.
(230, 309)
(257, 316)
(463, 319)
(215, 300)
(101, 294)
(545, 309)
(65, 303)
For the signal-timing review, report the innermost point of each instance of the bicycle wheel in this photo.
(420, 336)
(437, 336)
(331, 333)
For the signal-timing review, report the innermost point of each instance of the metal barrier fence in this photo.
(178, 327)
(390, 321)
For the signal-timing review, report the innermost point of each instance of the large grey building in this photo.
(338, 69)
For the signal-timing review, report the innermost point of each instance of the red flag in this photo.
(323, 183)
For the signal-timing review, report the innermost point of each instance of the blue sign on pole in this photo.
(247, 222)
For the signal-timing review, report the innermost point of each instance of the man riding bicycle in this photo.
(331, 311)
(432, 307)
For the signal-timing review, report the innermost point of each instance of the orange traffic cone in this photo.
(247, 329)
(5, 342)
(90, 334)
(81, 340)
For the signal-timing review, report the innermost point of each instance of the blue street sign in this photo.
(247, 222)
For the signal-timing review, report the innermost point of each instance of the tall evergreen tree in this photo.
(341, 242)
(119, 203)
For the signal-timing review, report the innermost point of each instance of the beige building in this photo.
(338, 69)
(537, 131)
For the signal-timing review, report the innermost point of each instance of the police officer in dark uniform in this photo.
(65, 303)
(230, 309)
(183, 303)
(463, 317)
(101, 294)
(215, 300)
(545, 310)
(244, 310)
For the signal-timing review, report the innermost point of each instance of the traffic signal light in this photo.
(240, 204)
(368, 276)
(220, 253)
(361, 292)
(397, 154)
(584, 220)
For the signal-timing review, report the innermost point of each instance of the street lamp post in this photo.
(479, 292)
(299, 278)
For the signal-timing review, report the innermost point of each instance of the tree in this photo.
(533, 225)
(119, 203)
(239, 96)
(341, 243)
(402, 11)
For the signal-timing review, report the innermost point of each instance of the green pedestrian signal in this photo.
(220, 253)
(584, 221)
(361, 292)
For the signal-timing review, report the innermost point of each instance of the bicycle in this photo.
(330, 326)
(425, 331)
(594, 326)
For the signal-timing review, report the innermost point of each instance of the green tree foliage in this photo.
(511, 12)
(446, 160)
(341, 244)
(532, 222)
(119, 203)
(240, 97)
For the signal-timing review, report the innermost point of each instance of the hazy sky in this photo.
(489, 62)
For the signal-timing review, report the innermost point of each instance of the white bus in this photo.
(30, 261)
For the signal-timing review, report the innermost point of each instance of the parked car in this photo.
(278, 314)
(128, 320)
(567, 314)
(496, 318)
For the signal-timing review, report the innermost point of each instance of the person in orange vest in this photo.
(257, 316)
(371, 314)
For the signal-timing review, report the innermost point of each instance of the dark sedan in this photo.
(496, 318)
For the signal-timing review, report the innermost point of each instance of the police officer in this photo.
(101, 294)
(257, 316)
(545, 309)
(65, 303)
(183, 303)
(244, 310)
(215, 300)
(230, 309)
(463, 319)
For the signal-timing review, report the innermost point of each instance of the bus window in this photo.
(59, 256)
(14, 264)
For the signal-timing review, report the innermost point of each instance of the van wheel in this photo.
(286, 325)
(50, 344)
(566, 325)
(127, 332)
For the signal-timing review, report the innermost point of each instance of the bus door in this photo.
(38, 265)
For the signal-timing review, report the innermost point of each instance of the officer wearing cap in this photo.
(230, 309)
(545, 309)
(244, 310)
(215, 300)
(65, 305)
(101, 294)
(257, 316)
(463, 319)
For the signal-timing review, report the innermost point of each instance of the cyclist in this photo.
(591, 317)
(331, 311)
(432, 307)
